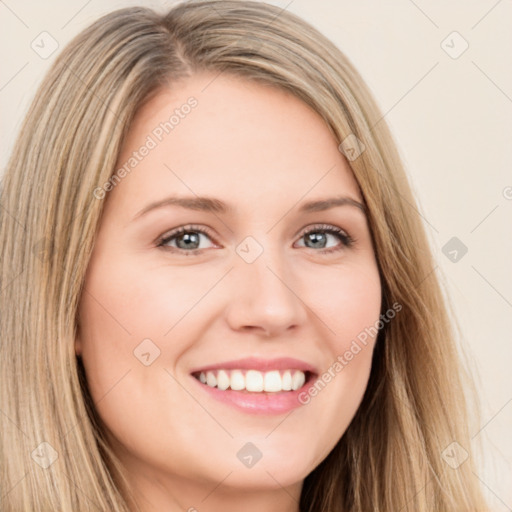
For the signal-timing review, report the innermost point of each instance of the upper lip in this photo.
(262, 365)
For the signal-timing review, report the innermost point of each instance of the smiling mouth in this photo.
(254, 381)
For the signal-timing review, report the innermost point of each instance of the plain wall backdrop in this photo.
(442, 75)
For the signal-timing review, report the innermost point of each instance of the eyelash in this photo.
(346, 240)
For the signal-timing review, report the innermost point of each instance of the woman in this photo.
(215, 294)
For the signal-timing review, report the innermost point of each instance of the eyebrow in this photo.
(209, 204)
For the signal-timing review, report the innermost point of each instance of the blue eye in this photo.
(318, 237)
(187, 239)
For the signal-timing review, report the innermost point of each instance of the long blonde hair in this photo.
(390, 458)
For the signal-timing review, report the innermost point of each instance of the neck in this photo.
(177, 494)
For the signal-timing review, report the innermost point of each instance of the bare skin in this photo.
(265, 154)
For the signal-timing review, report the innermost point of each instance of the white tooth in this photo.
(222, 380)
(298, 380)
(254, 381)
(237, 380)
(202, 377)
(287, 380)
(211, 380)
(272, 381)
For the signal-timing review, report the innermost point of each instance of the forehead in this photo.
(224, 136)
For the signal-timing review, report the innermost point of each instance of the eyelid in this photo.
(183, 229)
(322, 227)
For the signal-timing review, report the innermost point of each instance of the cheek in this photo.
(127, 302)
(132, 300)
(348, 301)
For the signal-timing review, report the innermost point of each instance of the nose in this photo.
(264, 298)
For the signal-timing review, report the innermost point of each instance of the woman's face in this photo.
(260, 290)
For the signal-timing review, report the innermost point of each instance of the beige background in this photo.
(452, 118)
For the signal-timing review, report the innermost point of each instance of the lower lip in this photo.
(258, 403)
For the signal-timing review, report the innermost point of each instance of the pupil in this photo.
(191, 240)
(318, 239)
